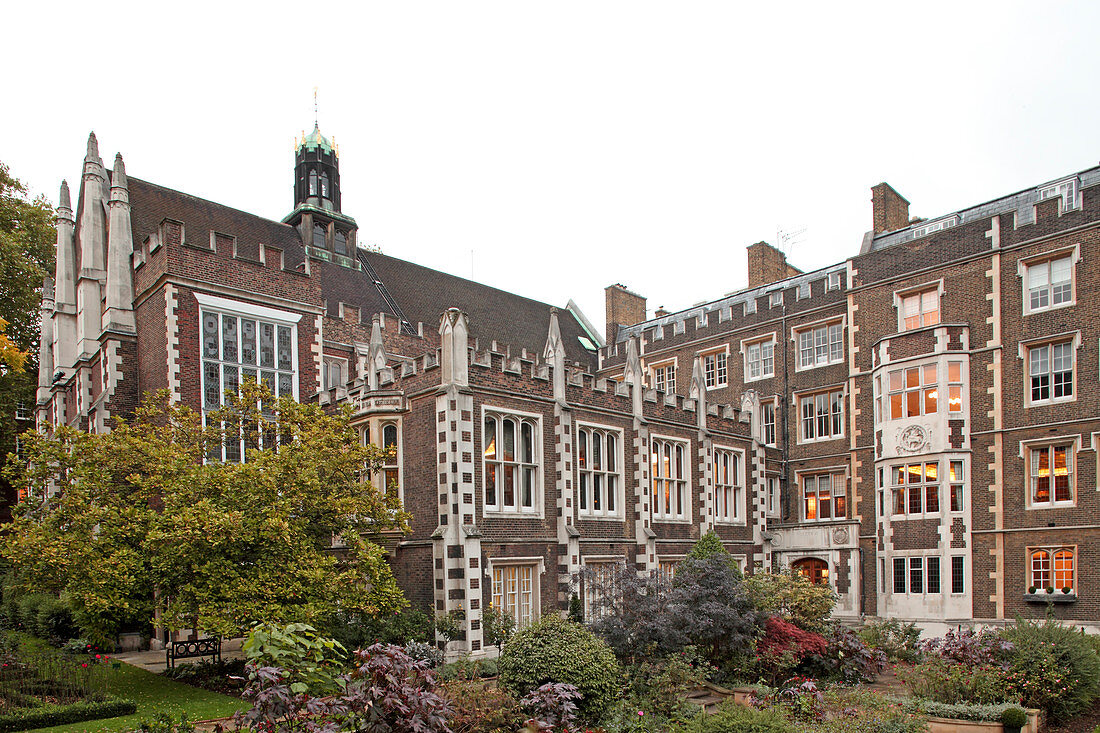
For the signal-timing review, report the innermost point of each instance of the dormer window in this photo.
(313, 183)
(341, 243)
(318, 236)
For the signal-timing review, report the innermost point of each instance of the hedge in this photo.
(956, 711)
(48, 715)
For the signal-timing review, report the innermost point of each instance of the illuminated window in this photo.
(760, 360)
(514, 592)
(511, 463)
(821, 345)
(954, 387)
(714, 369)
(1053, 567)
(1050, 372)
(916, 488)
(955, 474)
(598, 471)
(822, 416)
(1050, 471)
(913, 391)
(920, 309)
(669, 475)
(1049, 284)
(729, 492)
(823, 497)
(812, 569)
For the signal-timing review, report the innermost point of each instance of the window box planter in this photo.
(1056, 597)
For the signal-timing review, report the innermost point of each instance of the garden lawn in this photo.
(154, 693)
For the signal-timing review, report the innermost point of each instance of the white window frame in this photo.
(836, 476)
(537, 566)
(372, 432)
(758, 343)
(342, 364)
(771, 496)
(774, 423)
(920, 559)
(1027, 453)
(716, 374)
(832, 282)
(826, 325)
(730, 494)
(222, 307)
(1051, 550)
(801, 398)
(1025, 266)
(665, 364)
(679, 486)
(594, 588)
(591, 473)
(918, 292)
(923, 389)
(923, 486)
(1073, 339)
(498, 508)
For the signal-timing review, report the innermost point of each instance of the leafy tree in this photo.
(135, 521)
(792, 597)
(26, 256)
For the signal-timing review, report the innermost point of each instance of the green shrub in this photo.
(556, 650)
(733, 718)
(54, 621)
(1014, 718)
(899, 642)
(946, 681)
(792, 598)
(478, 708)
(1052, 667)
(49, 715)
(959, 711)
(311, 661)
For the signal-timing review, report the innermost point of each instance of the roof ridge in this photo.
(211, 202)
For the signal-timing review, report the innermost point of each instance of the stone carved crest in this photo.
(913, 439)
(840, 535)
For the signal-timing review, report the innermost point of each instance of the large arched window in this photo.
(812, 569)
(391, 471)
(1053, 568)
(511, 463)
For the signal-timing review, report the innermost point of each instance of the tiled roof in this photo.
(151, 204)
(424, 294)
(421, 293)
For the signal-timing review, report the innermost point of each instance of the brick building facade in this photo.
(912, 426)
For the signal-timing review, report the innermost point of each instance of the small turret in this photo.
(119, 315)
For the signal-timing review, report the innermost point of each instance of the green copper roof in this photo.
(316, 140)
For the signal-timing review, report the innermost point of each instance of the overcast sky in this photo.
(555, 148)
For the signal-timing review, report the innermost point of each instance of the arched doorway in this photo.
(812, 569)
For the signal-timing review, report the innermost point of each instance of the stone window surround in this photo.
(796, 403)
(801, 328)
(538, 568)
(900, 295)
(740, 508)
(839, 472)
(1075, 445)
(744, 350)
(1024, 354)
(537, 510)
(724, 349)
(1072, 251)
(685, 479)
(620, 498)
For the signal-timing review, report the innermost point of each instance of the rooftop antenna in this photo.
(315, 124)
(786, 240)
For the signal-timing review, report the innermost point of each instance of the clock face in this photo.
(913, 438)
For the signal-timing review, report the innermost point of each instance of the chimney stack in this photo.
(768, 265)
(621, 308)
(890, 209)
